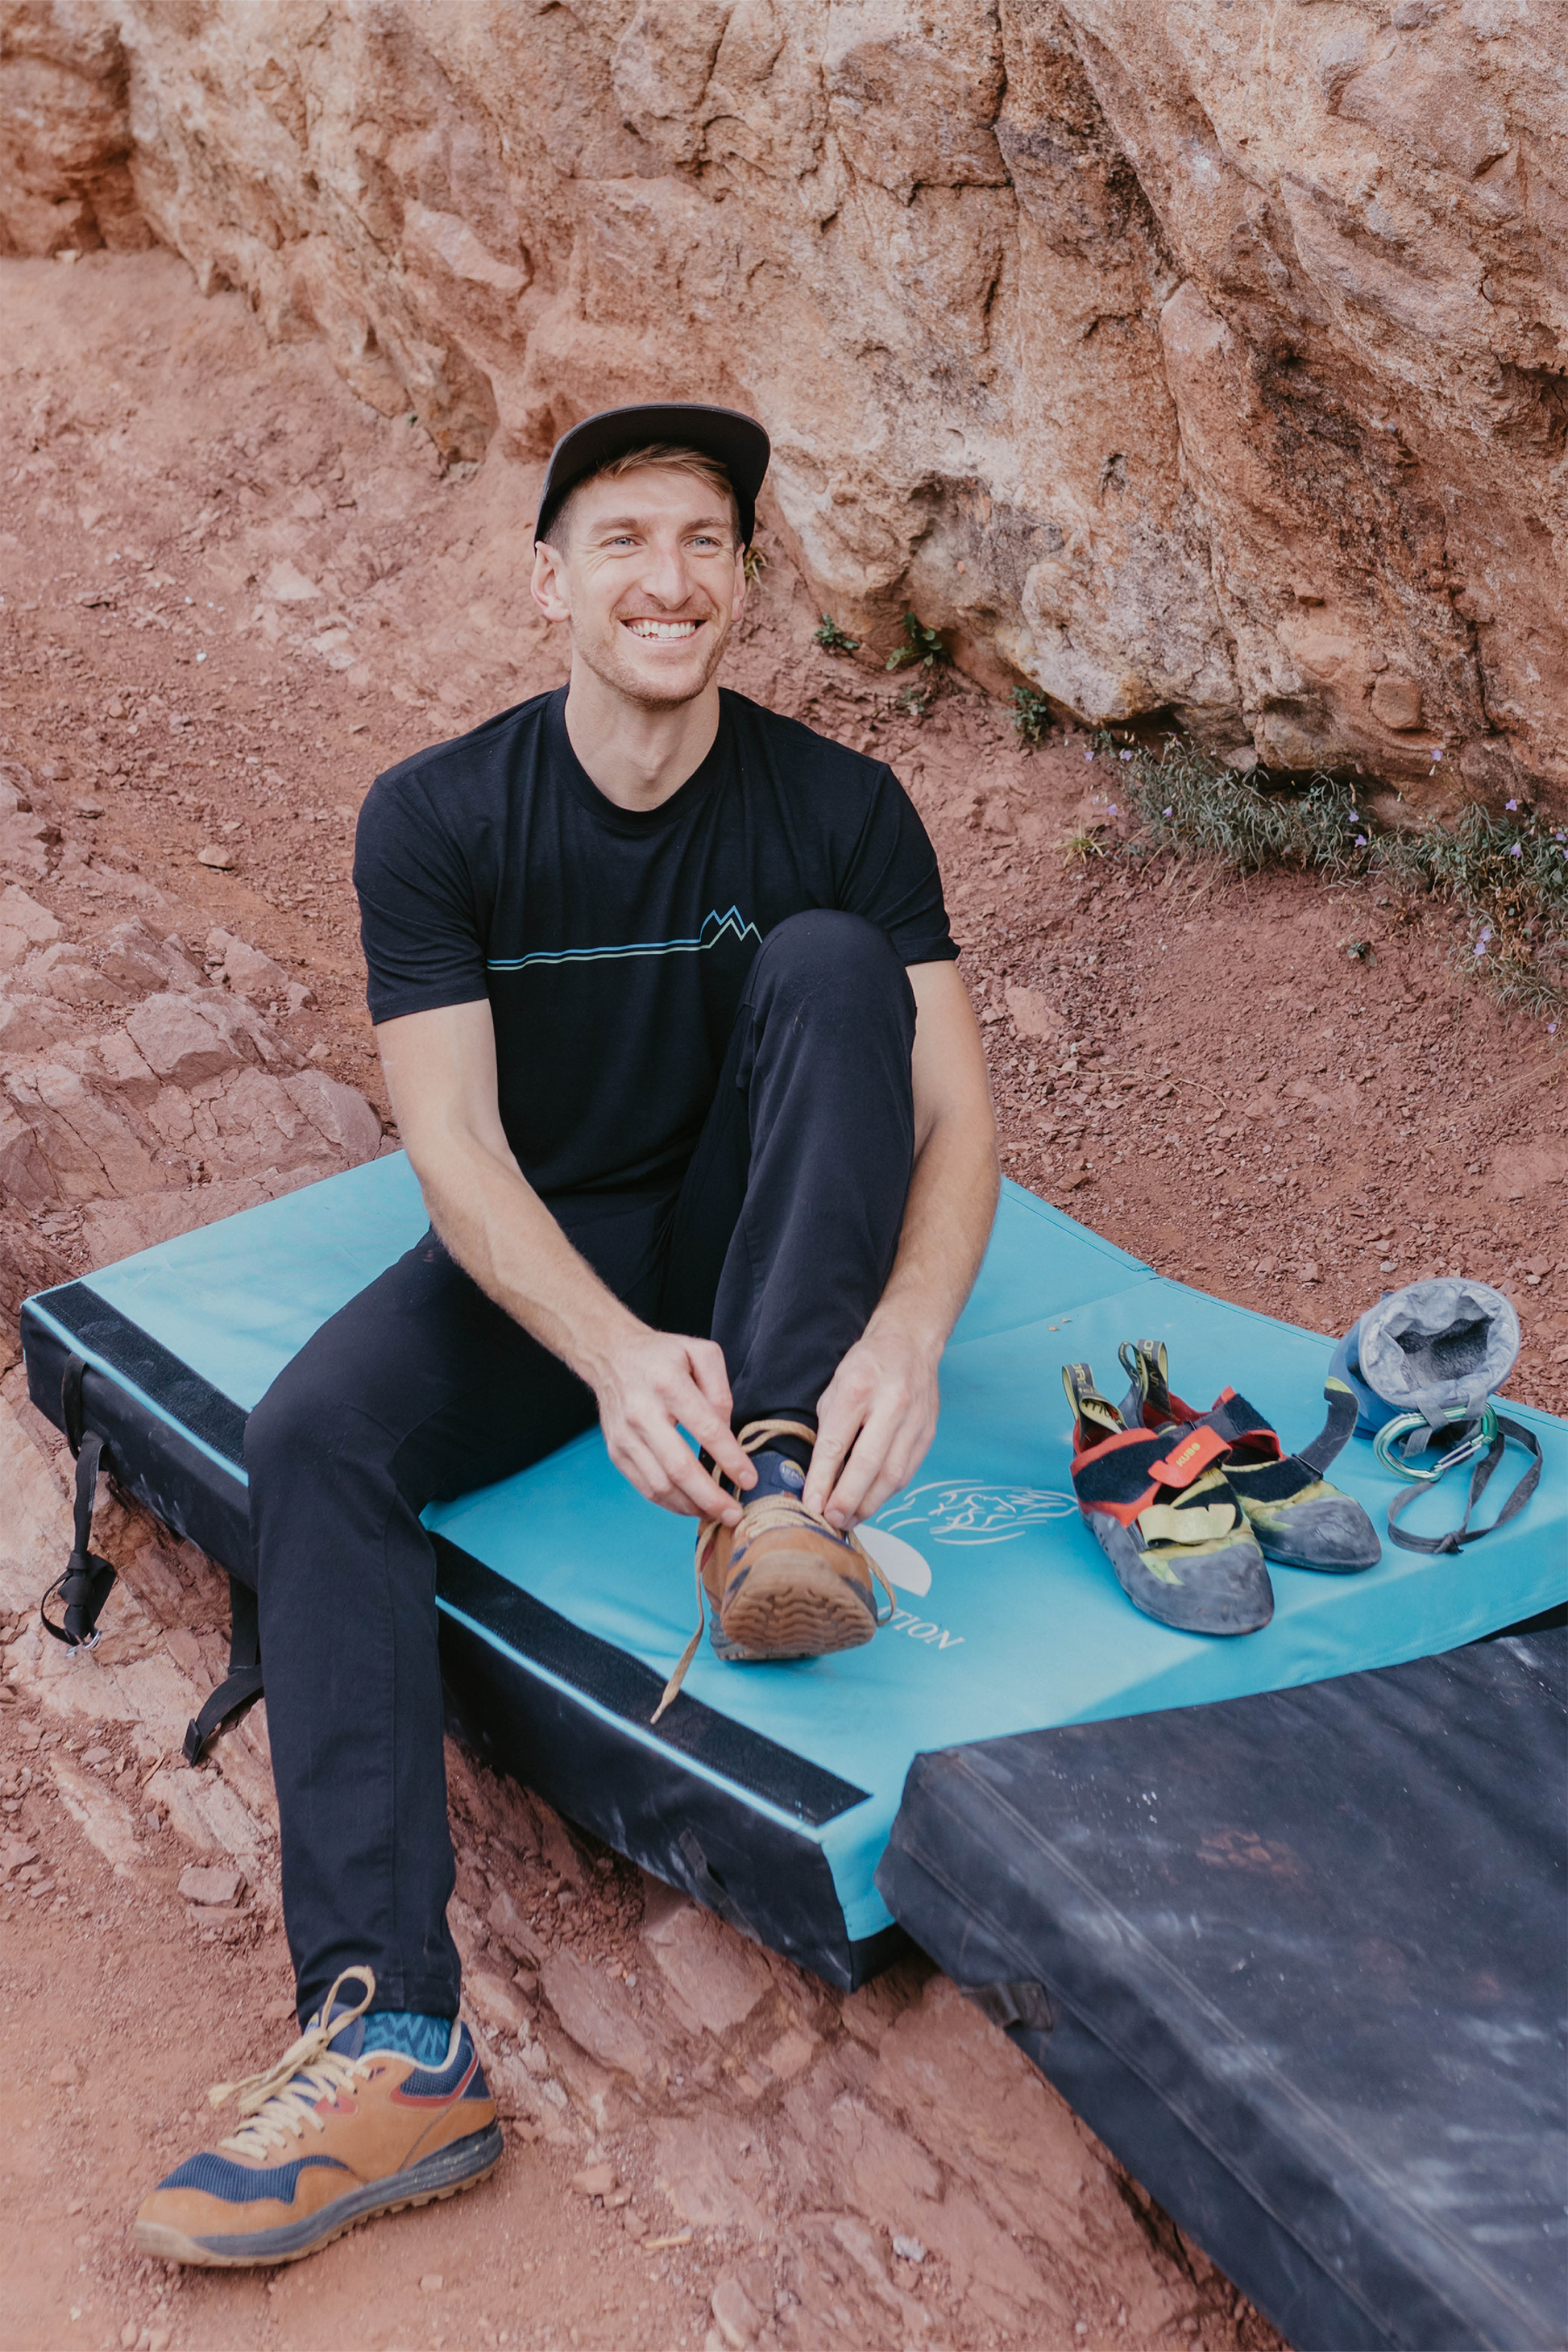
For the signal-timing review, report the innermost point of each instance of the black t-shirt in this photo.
(612, 945)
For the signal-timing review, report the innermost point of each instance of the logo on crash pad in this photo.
(955, 1511)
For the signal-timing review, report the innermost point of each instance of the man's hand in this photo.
(874, 1422)
(645, 1387)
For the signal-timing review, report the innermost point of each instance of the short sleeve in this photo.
(419, 916)
(893, 878)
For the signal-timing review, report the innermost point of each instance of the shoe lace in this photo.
(758, 1518)
(281, 2100)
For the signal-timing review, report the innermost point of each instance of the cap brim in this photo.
(736, 440)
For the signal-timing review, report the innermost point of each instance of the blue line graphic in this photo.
(715, 926)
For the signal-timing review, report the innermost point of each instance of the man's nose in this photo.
(667, 575)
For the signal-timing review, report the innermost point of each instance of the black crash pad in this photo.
(1301, 1962)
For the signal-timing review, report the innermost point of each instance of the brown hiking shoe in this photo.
(332, 2134)
(783, 1584)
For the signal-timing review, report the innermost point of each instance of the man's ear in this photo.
(548, 582)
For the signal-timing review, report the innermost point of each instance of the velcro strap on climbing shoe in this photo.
(1197, 1450)
(1129, 1472)
(1240, 1424)
(1337, 1430)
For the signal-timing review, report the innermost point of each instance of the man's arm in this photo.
(878, 1415)
(441, 1074)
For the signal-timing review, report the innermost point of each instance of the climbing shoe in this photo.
(1299, 1520)
(1166, 1518)
(334, 2134)
(783, 1584)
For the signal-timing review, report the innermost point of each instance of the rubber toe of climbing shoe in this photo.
(1326, 1531)
(1219, 1589)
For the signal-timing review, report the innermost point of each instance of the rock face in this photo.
(1206, 358)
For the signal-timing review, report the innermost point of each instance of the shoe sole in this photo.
(461, 2165)
(794, 1609)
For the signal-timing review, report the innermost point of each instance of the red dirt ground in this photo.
(231, 594)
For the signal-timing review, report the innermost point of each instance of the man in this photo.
(668, 1011)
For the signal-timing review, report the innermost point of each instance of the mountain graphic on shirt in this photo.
(715, 926)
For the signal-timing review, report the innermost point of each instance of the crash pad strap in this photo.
(241, 1686)
(84, 1584)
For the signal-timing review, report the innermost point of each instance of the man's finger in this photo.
(846, 1503)
(687, 1477)
(837, 1425)
(717, 1438)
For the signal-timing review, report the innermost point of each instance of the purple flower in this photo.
(1512, 804)
(1089, 755)
(1127, 755)
(1516, 851)
(1360, 841)
(1112, 810)
(1552, 1028)
(1167, 811)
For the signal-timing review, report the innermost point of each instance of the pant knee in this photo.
(295, 1425)
(825, 944)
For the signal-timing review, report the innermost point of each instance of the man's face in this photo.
(651, 580)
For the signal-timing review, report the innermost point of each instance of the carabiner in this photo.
(1478, 1436)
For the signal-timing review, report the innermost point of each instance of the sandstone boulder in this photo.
(178, 1041)
(1116, 342)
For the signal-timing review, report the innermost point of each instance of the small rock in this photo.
(128, 2334)
(737, 2318)
(1310, 1272)
(909, 2249)
(65, 2076)
(96, 1756)
(431, 2283)
(15, 1855)
(225, 860)
(211, 1883)
(594, 2180)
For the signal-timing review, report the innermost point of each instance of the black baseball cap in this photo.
(736, 440)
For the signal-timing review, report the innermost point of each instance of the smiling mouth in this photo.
(666, 632)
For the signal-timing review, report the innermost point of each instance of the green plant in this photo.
(1186, 802)
(916, 699)
(832, 638)
(1509, 882)
(1031, 716)
(1506, 876)
(921, 645)
(755, 564)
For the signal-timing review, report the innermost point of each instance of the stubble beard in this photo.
(613, 670)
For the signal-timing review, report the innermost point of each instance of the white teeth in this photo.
(663, 629)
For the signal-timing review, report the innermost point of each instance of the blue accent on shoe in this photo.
(777, 1474)
(441, 2083)
(410, 2032)
(245, 2184)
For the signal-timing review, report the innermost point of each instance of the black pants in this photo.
(777, 1244)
